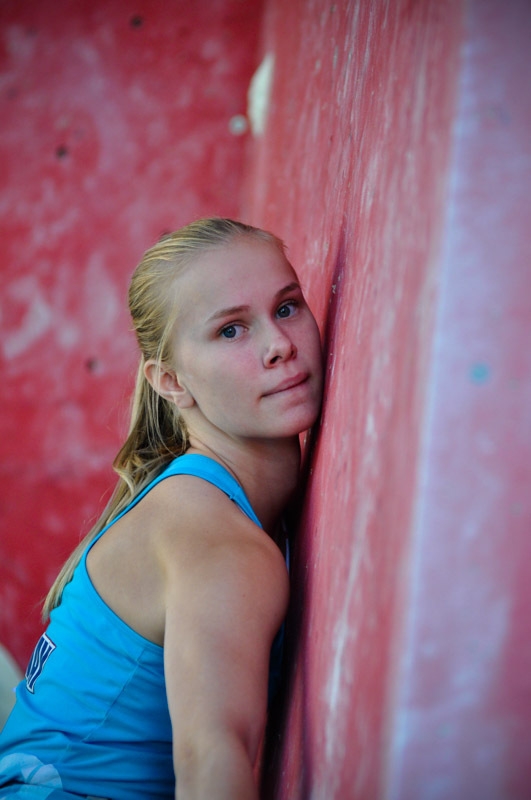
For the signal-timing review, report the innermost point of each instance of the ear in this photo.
(166, 383)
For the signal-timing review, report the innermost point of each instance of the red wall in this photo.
(396, 162)
(116, 126)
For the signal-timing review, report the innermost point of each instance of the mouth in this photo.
(288, 384)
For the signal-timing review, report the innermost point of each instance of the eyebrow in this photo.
(227, 312)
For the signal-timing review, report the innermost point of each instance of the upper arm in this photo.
(226, 592)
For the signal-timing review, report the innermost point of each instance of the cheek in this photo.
(313, 343)
(219, 374)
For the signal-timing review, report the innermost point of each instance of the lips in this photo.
(289, 383)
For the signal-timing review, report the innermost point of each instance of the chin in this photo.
(302, 424)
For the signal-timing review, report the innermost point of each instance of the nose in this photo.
(279, 347)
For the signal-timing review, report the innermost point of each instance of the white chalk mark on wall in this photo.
(259, 94)
(35, 322)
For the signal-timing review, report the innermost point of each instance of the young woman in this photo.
(151, 680)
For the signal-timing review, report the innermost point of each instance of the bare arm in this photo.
(226, 594)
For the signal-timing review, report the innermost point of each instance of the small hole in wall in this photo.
(92, 365)
(62, 151)
(136, 21)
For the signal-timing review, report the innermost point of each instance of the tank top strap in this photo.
(213, 472)
(200, 467)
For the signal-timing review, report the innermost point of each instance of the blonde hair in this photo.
(157, 433)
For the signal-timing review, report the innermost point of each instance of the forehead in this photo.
(239, 272)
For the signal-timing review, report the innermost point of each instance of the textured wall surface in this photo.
(392, 151)
(395, 160)
(119, 122)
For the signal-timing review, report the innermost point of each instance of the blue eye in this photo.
(287, 309)
(229, 332)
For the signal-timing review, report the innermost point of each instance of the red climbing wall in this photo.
(120, 120)
(393, 154)
(395, 160)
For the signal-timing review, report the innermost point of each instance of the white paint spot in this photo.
(101, 301)
(238, 125)
(370, 427)
(340, 674)
(35, 322)
(67, 335)
(259, 94)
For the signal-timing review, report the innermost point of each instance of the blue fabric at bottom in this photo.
(28, 792)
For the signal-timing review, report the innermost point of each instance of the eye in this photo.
(287, 309)
(231, 331)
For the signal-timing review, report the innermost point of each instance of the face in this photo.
(247, 352)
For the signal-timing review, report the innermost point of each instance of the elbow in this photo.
(214, 765)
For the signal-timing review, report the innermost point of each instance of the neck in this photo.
(268, 471)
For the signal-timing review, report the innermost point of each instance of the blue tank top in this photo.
(91, 716)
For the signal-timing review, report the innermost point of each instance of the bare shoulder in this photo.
(198, 529)
(181, 553)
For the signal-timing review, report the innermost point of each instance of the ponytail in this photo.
(157, 435)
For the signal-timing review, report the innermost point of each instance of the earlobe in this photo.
(166, 383)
